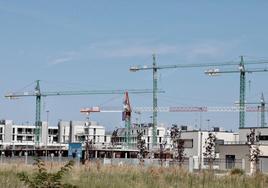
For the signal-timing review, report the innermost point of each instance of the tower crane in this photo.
(261, 108)
(155, 68)
(38, 95)
(262, 111)
(176, 109)
(126, 116)
(173, 109)
(242, 70)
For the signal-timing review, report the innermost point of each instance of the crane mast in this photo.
(38, 123)
(262, 111)
(242, 93)
(154, 101)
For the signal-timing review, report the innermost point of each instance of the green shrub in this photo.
(237, 171)
(44, 179)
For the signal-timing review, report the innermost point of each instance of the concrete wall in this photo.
(8, 131)
(264, 164)
(72, 130)
(195, 136)
(244, 131)
(199, 138)
(44, 134)
(240, 151)
(64, 131)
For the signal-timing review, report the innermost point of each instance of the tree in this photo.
(254, 151)
(177, 145)
(180, 151)
(161, 153)
(210, 145)
(88, 149)
(114, 138)
(141, 146)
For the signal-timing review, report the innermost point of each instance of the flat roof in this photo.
(253, 128)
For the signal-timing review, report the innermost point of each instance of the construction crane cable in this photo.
(23, 88)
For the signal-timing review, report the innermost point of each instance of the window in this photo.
(55, 139)
(188, 143)
(52, 131)
(157, 132)
(20, 131)
(29, 131)
(94, 131)
(81, 138)
(55, 131)
(14, 130)
(29, 138)
(263, 137)
(160, 139)
(148, 139)
(19, 138)
(86, 130)
(105, 138)
(1, 129)
(230, 161)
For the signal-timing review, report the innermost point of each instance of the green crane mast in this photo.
(38, 95)
(261, 108)
(242, 92)
(38, 123)
(154, 101)
(262, 111)
(154, 67)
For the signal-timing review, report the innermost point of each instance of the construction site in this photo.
(152, 143)
(153, 94)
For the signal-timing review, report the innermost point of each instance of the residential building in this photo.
(236, 154)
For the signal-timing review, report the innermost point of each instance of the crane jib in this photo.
(137, 68)
(96, 92)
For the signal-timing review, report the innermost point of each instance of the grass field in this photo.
(96, 175)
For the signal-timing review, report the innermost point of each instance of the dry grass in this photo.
(97, 175)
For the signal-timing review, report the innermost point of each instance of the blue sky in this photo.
(78, 45)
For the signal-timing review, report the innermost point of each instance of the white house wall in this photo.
(244, 131)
